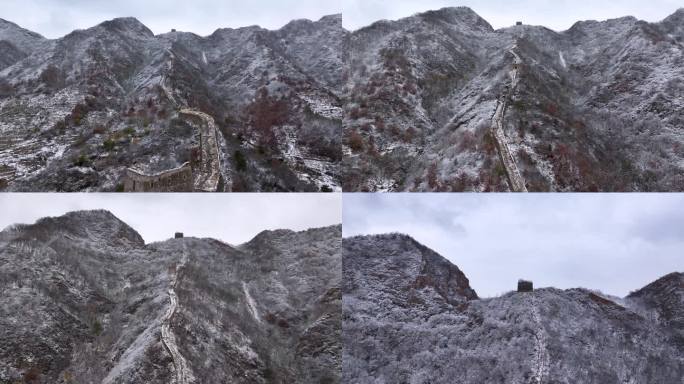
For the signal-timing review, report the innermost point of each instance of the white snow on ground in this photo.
(183, 373)
(207, 179)
(384, 185)
(133, 354)
(204, 58)
(540, 360)
(289, 147)
(323, 170)
(544, 167)
(412, 149)
(251, 304)
(322, 107)
(562, 60)
(226, 167)
(307, 167)
(517, 184)
(23, 151)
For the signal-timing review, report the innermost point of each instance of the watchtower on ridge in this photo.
(525, 286)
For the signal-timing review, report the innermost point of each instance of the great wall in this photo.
(208, 173)
(203, 176)
(515, 180)
(172, 180)
(183, 373)
(540, 359)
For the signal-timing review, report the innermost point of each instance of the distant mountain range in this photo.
(410, 316)
(595, 108)
(85, 300)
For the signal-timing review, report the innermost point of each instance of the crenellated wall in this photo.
(174, 180)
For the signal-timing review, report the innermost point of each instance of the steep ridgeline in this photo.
(77, 111)
(85, 300)
(410, 316)
(595, 108)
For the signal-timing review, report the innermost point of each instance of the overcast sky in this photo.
(233, 218)
(555, 14)
(616, 243)
(56, 18)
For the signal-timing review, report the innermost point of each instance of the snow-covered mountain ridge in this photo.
(75, 112)
(595, 108)
(410, 316)
(85, 300)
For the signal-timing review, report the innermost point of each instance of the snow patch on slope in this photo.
(562, 60)
(251, 304)
(133, 355)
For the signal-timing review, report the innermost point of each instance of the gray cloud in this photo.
(55, 18)
(615, 243)
(555, 14)
(233, 218)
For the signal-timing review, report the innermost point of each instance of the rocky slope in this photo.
(75, 112)
(410, 316)
(85, 300)
(595, 108)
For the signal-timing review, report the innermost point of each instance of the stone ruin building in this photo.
(174, 180)
(525, 286)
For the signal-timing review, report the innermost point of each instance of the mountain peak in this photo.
(20, 37)
(676, 19)
(665, 296)
(6, 23)
(101, 215)
(404, 262)
(586, 24)
(334, 21)
(85, 224)
(336, 18)
(127, 24)
(457, 15)
(674, 280)
(456, 11)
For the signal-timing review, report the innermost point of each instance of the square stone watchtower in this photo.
(179, 235)
(525, 286)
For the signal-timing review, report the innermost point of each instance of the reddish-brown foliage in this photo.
(355, 141)
(433, 183)
(409, 135)
(266, 111)
(552, 109)
(488, 143)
